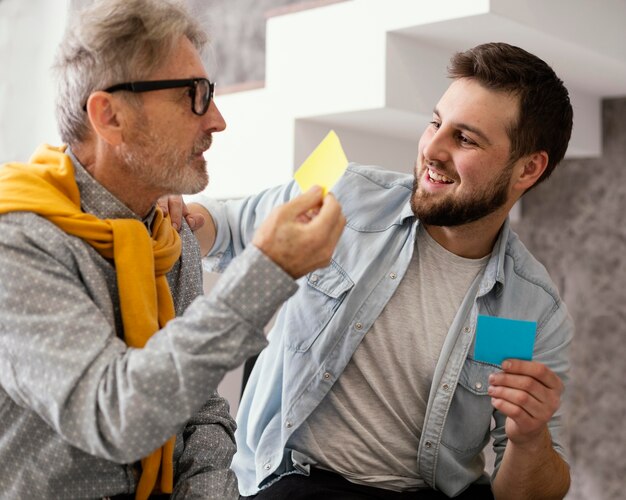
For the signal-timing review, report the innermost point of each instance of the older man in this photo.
(106, 387)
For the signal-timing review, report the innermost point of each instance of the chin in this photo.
(193, 186)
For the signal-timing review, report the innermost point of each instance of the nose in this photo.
(213, 121)
(435, 145)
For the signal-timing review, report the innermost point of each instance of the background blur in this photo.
(372, 70)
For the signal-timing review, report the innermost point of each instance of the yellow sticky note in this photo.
(324, 166)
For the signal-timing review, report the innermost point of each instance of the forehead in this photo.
(469, 103)
(183, 62)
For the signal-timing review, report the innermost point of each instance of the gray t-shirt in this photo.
(368, 426)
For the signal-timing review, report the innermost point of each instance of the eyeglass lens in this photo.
(202, 97)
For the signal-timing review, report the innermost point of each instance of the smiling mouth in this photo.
(438, 178)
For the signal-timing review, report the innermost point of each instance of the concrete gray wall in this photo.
(237, 31)
(574, 224)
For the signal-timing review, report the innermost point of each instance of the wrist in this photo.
(533, 443)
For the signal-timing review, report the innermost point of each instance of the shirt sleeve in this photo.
(60, 356)
(203, 454)
(552, 349)
(237, 220)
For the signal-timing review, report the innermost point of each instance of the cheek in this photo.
(473, 170)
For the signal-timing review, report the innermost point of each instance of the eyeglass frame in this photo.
(149, 86)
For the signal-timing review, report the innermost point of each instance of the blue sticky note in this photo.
(498, 339)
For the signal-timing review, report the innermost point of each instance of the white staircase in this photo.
(373, 70)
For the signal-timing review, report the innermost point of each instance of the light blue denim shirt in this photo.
(318, 330)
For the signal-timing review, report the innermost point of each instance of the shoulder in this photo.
(522, 264)
(28, 237)
(372, 195)
(376, 177)
(529, 288)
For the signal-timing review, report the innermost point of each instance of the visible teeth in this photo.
(437, 177)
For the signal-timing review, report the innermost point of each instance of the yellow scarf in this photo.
(48, 188)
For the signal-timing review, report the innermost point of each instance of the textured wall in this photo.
(574, 224)
(237, 30)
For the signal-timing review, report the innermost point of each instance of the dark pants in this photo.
(324, 485)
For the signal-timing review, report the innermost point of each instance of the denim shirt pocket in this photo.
(469, 418)
(316, 304)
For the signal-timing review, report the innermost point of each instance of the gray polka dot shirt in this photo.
(78, 408)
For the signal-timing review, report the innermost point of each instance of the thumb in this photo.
(304, 202)
(330, 215)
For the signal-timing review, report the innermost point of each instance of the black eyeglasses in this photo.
(200, 90)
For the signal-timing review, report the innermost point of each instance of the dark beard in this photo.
(461, 211)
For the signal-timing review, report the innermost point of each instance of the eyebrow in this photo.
(469, 128)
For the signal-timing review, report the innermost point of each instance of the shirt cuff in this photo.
(254, 286)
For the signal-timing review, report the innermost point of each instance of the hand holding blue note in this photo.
(498, 339)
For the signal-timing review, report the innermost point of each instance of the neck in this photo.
(471, 241)
(105, 168)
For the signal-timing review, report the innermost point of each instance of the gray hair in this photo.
(115, 41)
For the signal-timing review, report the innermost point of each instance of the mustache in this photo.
(439, 166)
(203, 144)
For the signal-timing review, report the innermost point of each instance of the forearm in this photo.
(233, 223)
(534, 471)
(88, 386)
(204, 452)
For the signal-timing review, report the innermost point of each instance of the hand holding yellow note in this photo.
(324, 166)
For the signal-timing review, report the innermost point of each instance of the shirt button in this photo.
(393, 276)
(478, 385)
(428, 444)
(314, 278)
(446, 387)
(267, 466)
(288, 424)
(327, 375)
(466, 329)
(358, 326)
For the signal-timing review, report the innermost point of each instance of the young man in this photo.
(103, 390)
(369, 388)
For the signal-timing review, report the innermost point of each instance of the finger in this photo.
(162, 204)
(522, 399)
(339, 223)
(176, 210)
(533, 369)
(304, 202)
(521, 383)
(329, 213)
(195, 221)
(515, 412)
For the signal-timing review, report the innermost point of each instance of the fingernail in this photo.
(492, 378)
(175, 226)
(506, 365)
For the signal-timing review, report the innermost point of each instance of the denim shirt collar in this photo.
(493, 278)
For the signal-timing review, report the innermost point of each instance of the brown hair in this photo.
(545, 112)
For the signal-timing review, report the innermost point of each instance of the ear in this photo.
(106, 117)
(531, 169)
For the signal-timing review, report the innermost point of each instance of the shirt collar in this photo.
(97, 200)
(407, 212)
(494, 272)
